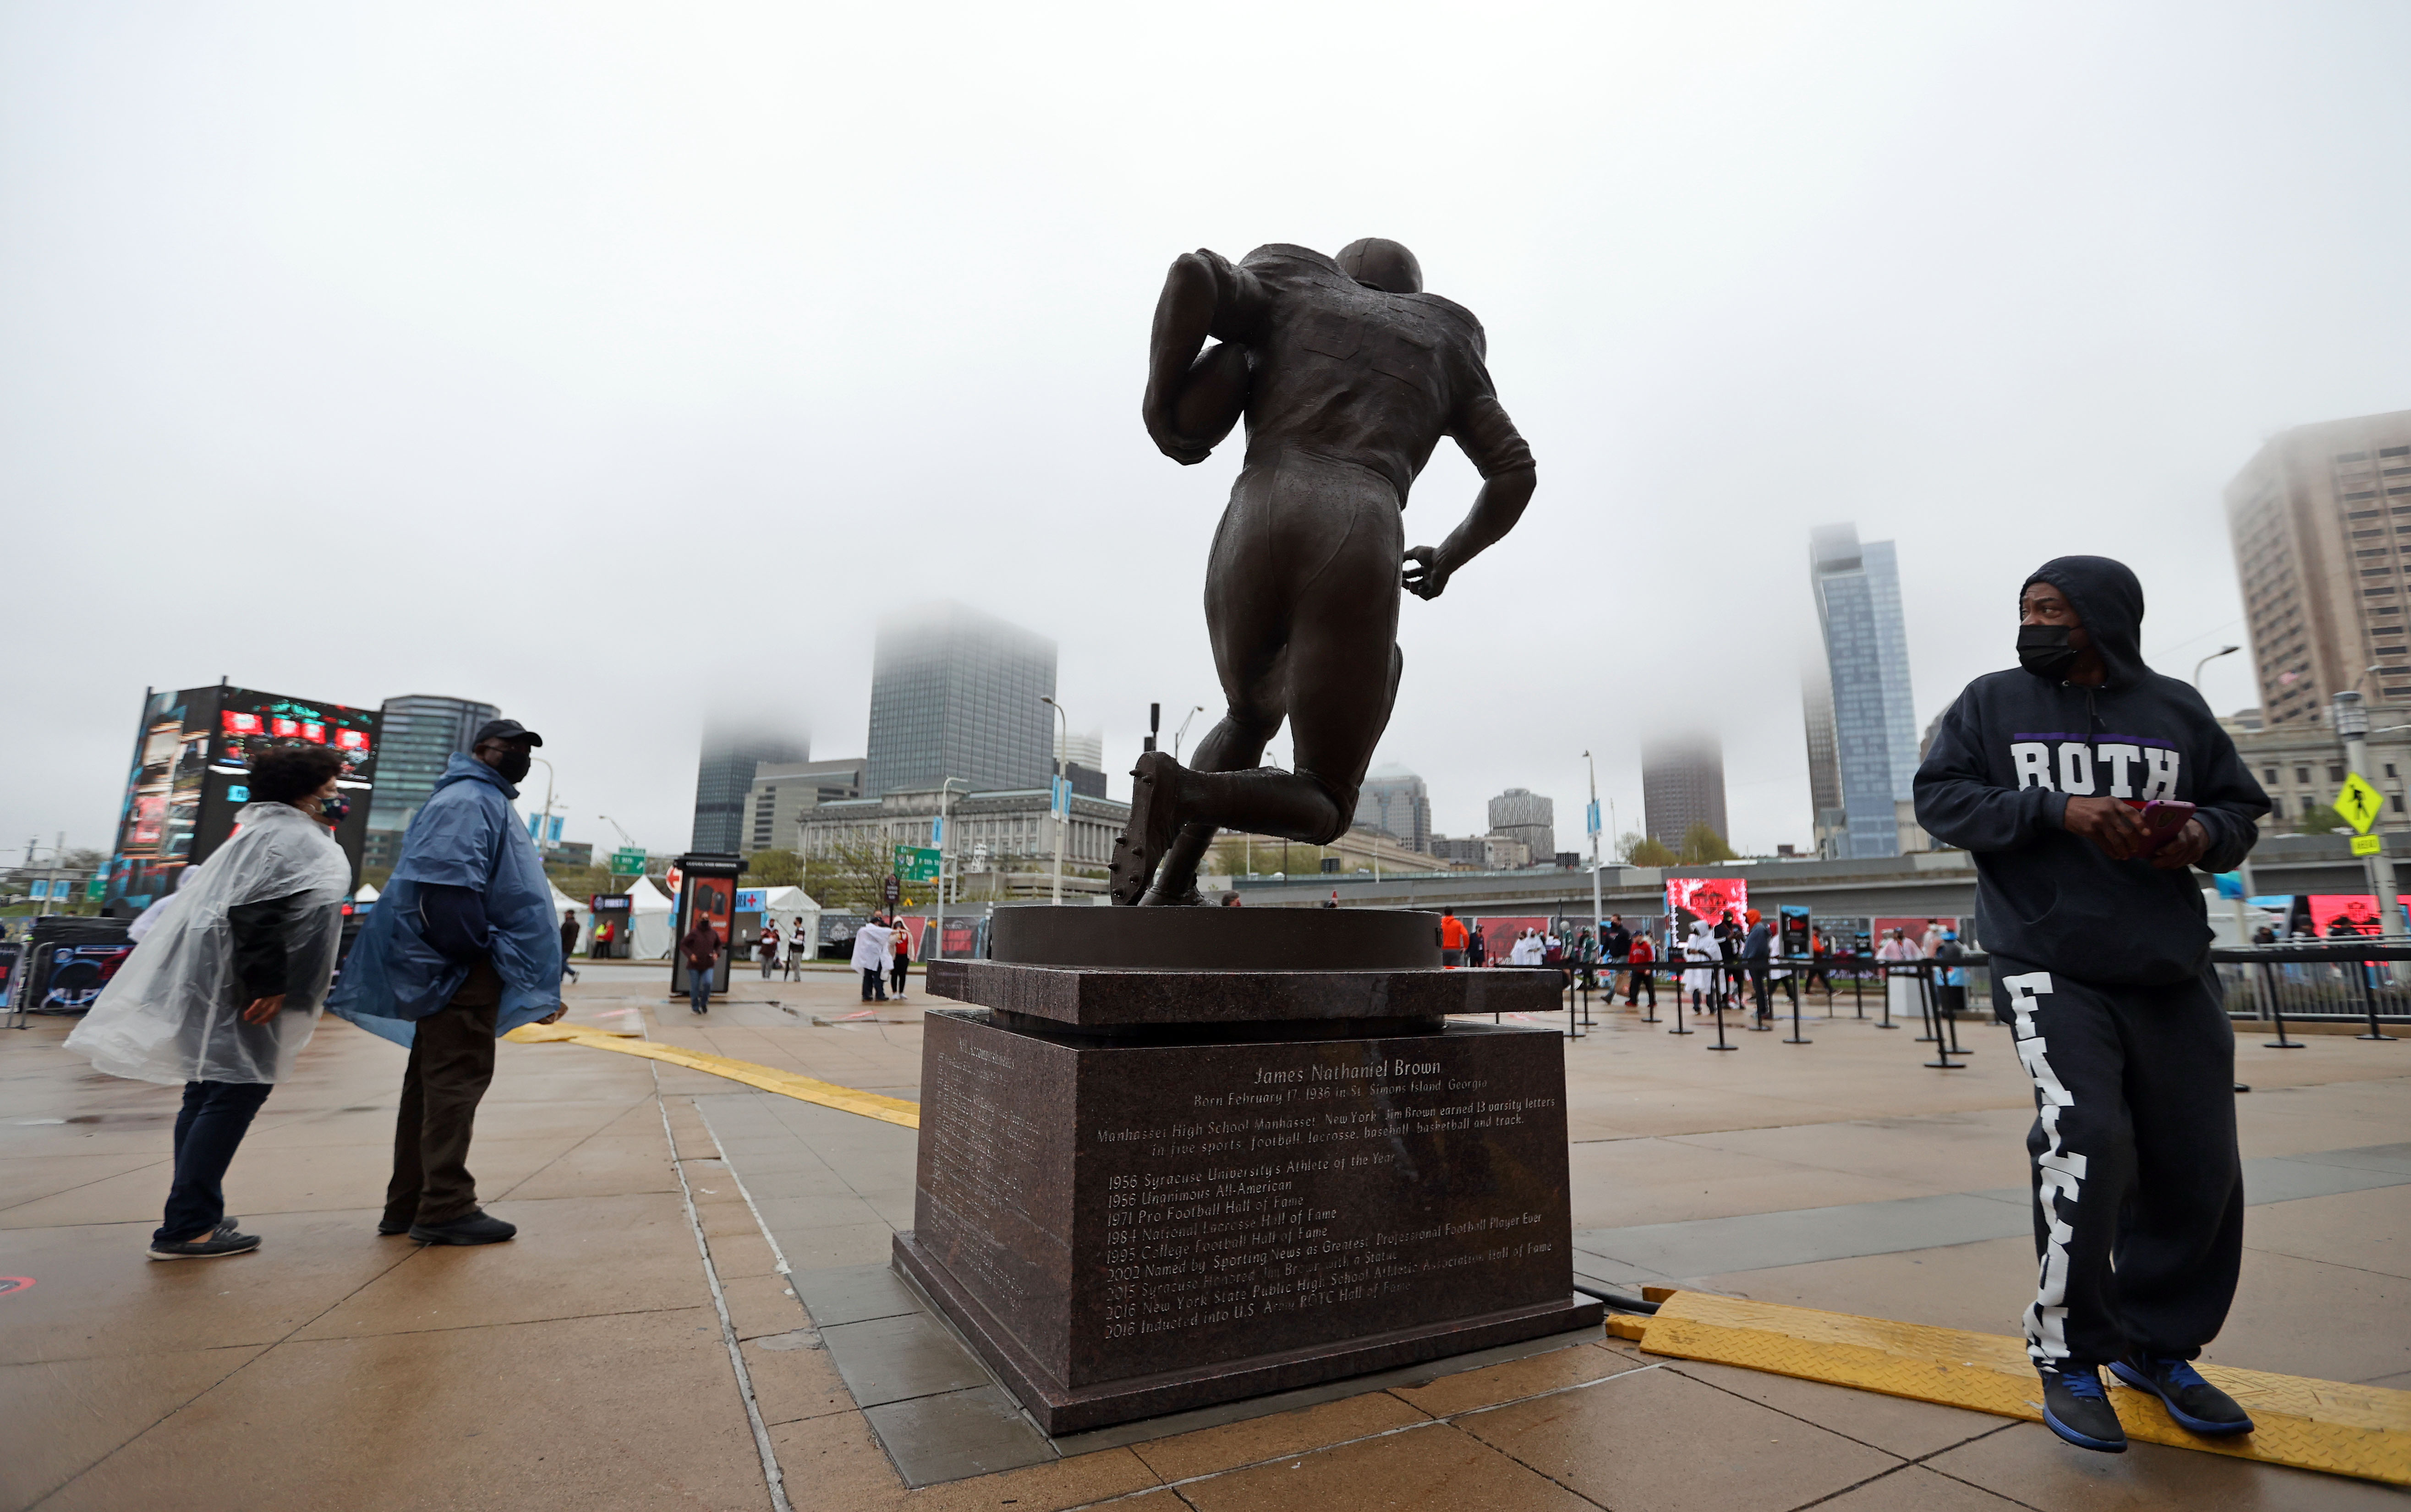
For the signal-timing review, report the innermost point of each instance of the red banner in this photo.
(1707, 898)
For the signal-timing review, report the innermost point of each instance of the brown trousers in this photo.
(451, 1064)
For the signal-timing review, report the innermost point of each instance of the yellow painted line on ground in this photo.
(2362, 1431)
(786, 1083)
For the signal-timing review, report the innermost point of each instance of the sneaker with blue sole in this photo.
(2077, 1408)
(2197, 1406)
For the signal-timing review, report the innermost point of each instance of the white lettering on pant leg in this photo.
(2059, 1172)
(2075, 767)
(2161, 766)
(2032, 759)
(2120, 756)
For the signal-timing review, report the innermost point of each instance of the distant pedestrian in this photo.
(568, 940)
(459, 949)
(1930, 939)
(1451, 939)
(1757, 947)
(902, 960)
(1900, 983)
(1701, 950)
(798, 947)
(766, 945)
(1477, 948)
(702, 947)
(224, 988)
(870, 959)
(1231, 900)
(1642, 956)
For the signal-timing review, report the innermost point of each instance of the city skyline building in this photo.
(1521, 815)
(732, 753)
(959, 693)
(2320, 522)
(1874, 713)
(1682, 784)
(421, 732)
(1395, 800)
(1085, 747)
(1824, 759)
(783, 792)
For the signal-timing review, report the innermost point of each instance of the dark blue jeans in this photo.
(698, 987)
(209, 1130)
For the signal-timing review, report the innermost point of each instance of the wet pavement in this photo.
(698, 1301)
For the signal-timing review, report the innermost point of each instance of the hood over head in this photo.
(2109, 598)
(467, 768)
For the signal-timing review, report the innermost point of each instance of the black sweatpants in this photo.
(2139, 1191)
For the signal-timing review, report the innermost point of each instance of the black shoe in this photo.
(478, 1227)
(2197, 1406)
(223, 1240)
(386, 1227)
(2075, 1408)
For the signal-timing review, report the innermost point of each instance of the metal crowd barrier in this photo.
(2315, 981)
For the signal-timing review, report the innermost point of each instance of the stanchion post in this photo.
(1680, 987)
(1929, 1000)
(2276, 1010)
(1886, 1022)
(2369, 1001)
(1646, 981)
(1721, 1026)
(1795, 1038)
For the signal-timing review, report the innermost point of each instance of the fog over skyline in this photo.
(616, 365)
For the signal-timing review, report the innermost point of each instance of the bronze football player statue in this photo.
(1348, 374)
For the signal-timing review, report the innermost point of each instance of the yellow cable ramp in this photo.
(2361, 1431)
(2358, 1431)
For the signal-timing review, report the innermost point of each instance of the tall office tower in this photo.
(2321, 522)
(783, 792)
(423, 732)
(1867, 660)
(1682, 784)
(956, 693)
(1523, 815)
(1393, 799)
(1087, 749)
(724, 777)
(1832, 821)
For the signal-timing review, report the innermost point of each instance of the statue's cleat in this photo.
(2197, 1406)
(1153, 827)
(1158, 898)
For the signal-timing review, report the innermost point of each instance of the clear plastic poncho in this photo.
(174, 1010)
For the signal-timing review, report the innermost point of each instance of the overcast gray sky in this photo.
(607, 362)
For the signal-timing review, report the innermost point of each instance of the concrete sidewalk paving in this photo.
(587, 1361)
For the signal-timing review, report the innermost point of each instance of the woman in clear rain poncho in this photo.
(224, 988)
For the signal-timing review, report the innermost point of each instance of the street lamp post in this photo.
(1184, 729)
(1063, 821)
(1597, 908)
(945, 793)
(2224, 650)
(544, 821)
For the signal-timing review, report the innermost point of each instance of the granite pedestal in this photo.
(1145, 1190)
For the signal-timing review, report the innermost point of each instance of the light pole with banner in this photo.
(938, 945)
(1597, 908)
(1060, 797)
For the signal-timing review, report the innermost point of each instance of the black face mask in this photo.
(336, 809)
(2043, 651)
(514, 764)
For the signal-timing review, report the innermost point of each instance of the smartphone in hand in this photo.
(2164, 819)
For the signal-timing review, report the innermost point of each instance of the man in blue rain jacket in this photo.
(461, 949)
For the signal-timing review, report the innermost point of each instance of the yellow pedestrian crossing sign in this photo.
(2367, 845)
(2359, 802)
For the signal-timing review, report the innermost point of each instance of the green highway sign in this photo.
(627, 863)
(916, 864)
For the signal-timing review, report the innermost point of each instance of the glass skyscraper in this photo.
(421, 732)
(1873, 715)
(726, 774)
(955, 692)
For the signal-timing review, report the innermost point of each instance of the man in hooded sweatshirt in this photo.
(461, 949)
(2100, 963)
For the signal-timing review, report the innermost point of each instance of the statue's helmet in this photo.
(1379, 263)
